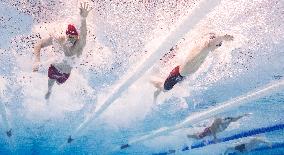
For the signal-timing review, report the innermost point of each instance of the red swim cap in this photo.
(71, 30)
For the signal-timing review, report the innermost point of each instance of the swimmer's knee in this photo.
(157, 84)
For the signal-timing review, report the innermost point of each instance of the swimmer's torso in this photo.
(71, 54)
(219, 125)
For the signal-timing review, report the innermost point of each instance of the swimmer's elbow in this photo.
(37, 47)
(39, 43)
(44, 43)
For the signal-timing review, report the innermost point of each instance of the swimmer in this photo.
(193, 61)
(219, 125)
(72, 44)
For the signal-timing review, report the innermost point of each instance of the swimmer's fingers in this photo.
(85, 3)
(90, 9)
(85, 9)
(81, 8)
(87, 6)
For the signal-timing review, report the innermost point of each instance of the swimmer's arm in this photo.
(236, 118)
(239, 117)
(84, 11)
(213, 43)
(38, 46)
(83, 31)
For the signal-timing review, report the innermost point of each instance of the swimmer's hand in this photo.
(84, 9)
(36, 66)
(228, 37)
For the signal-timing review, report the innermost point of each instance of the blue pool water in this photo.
(107, 106)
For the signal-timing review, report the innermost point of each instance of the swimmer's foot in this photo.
(9, 133)
(47, 95)
(70, 139)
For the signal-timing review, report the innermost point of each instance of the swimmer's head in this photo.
(71, 35)
(71, 30)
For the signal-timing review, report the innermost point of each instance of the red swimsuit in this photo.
(55, 74)
(173, 79)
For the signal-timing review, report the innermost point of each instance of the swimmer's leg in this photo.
(50, 85)
(158, 85)
(156, 93)
(192, 64)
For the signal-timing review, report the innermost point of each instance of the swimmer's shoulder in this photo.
(61, 39)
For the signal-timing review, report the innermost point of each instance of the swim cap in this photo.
(71, 30)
